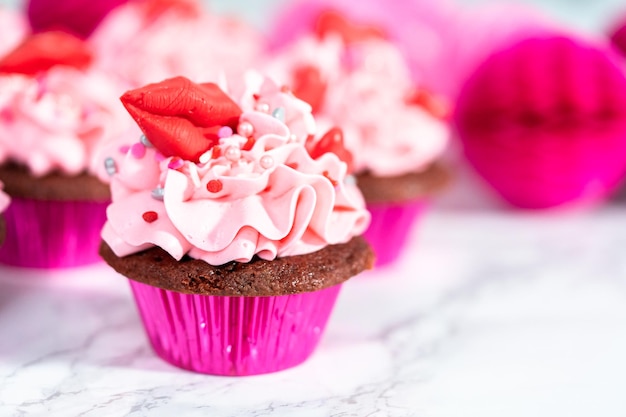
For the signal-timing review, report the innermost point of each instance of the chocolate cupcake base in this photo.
(324, 268)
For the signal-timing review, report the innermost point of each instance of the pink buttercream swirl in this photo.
(270, 199)
(61, 120)
(142, 48)
(367, 94)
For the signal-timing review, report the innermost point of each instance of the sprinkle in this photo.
(248, 145)
(193, 173)
(216, 152)
(332, 181)
(109, 166)
(233, 153)
(124, 149)
(350, 180)
(266, 162)
(279, 113)
(206, 157)
(245, 129)
(138, 150)
(214, 186)
(150, 216)
(175, 163)
(159, 157)
(262, 107)
(157, 193)
(144, 140)
(256, 96)
(292, 165)
(225, 132)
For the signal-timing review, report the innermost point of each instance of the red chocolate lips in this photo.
(181, 118)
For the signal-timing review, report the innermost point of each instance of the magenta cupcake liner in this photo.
(235, 336)
(52, 234)
(391, 226)
(544, 122)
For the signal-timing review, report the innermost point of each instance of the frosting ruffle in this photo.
(270, 199)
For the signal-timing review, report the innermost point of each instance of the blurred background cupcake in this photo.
(395, 129)
(58, 116)
(147, 40)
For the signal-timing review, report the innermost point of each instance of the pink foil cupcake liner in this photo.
(235, 336)
(390, 228)
(52, 234)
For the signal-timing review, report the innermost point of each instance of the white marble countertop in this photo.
(490, 313)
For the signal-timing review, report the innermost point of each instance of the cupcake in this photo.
(543, 122)
(4, 203)
(395, 130)
(57, 119)
(146, 41)
(236, 241)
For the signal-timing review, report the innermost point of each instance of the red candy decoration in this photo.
(309, 86)
(435, 105)
(181, 118)
(150, 216)
(332, 141)
(332, 22)
(42, 51)
(214, 186)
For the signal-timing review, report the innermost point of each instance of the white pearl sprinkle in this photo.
(266, 162)
(245, 129)
(233, 153)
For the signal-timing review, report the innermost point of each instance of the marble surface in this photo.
(489, 313)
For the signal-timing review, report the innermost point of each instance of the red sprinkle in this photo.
(292, 165)
(249, 144)
(124, 149)
(214, 186)
(216, 152)
(150, 216)
(256, 96)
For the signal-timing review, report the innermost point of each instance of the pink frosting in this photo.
(61, 120)
(13, 28)
(368, 85)
(142, 49)
(4, 199)
(272, 200)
